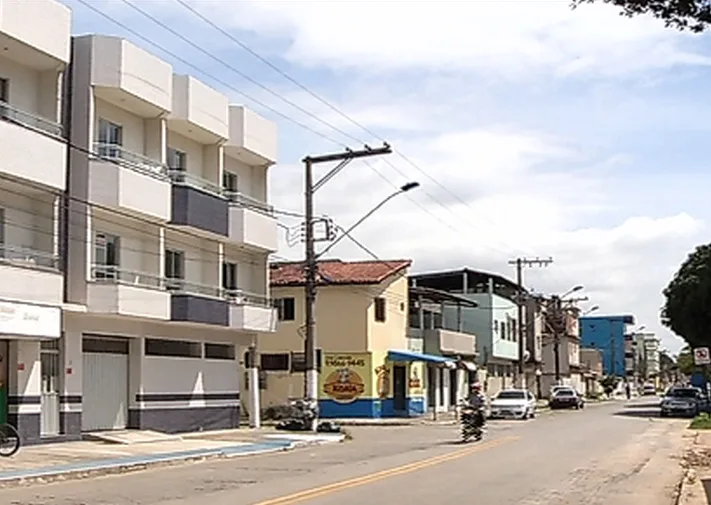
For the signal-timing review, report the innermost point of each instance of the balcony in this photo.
(199, 112)
(197, 303)
(252, 139)
(30, 275)
(113, 290)
(251, 312)
(129, 181)
(252, 223)
(32, 147)
(129, 77)
(36, 34)
(198, 203)
(446, 342)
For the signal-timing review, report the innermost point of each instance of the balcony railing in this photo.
(13, 114)
(112, 274)
(28, 257)
(118, 154)
(187, 179)
(242, 200)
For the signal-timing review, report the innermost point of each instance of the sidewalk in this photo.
(43, 463)
(696, 486)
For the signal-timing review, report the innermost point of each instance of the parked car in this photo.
(649, 390)
(513, 403)
(566, 398)
(682, 401)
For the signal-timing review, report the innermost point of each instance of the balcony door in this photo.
(174, 269)
(110, 139)
(106, 256)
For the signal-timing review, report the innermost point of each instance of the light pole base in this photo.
(254, 407)
(312, 385)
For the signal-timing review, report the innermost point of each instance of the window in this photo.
(177, 160)
(4, 90)
(2, 233)
(106, 255)
(219, 351)
(110, 133)
(380, 309)
(173, 348)
(513, 330)
(229, 182)
(174, 264)
(285, 309)
(496, 327)
(274, 362)
(229, 276)
(298, 361)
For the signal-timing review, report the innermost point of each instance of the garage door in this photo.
(105, 382)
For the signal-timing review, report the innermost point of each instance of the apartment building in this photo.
(168, 239)
(34, 55)
(561, 355)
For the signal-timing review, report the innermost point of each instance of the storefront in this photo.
(376, 384)
(29, 368)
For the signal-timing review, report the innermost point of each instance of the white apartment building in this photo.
(34, 54)
(169, 257)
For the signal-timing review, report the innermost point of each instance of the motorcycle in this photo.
(472, 424)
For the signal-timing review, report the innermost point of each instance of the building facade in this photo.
(494, 321)
(135, 235)
(366, 369)
(567, 356)
(607, 334)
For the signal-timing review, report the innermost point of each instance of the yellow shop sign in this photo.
(345, 376)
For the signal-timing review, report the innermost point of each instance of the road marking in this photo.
(384, 474)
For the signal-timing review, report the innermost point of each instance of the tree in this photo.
(687, 310)
(691, 15)
(685, 361)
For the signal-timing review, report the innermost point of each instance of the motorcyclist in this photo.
(477, 401)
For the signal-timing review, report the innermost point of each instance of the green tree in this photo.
(687, 309)
(692, 15)
(685, 361)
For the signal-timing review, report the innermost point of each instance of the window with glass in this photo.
(229, 182)
(229, 276)
(174, 268)
(107, 249)
(177, 160)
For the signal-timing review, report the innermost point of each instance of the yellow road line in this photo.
(383, 474)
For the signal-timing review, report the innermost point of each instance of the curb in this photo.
(76, 471)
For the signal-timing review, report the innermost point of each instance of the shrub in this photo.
(701, 422)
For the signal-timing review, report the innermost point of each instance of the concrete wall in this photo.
(44, 25)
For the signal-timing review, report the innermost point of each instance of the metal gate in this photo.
(49, 357)
(105, 383)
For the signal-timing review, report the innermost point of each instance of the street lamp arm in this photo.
(346, 233)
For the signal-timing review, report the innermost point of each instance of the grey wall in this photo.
(198, 309)
(192, 207)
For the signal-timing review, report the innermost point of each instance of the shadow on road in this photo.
(639, 411)
(707, 488)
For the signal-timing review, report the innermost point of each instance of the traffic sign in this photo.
(702, 356)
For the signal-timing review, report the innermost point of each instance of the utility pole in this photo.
(520, 263)
(558, 329)
(311, 266)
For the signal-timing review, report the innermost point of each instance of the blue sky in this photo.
(580, 135)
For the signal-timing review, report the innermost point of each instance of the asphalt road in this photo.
(612, 453)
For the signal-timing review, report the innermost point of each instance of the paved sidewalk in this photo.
(87, 458)
(696, 486)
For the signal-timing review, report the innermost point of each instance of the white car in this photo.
(513, 403)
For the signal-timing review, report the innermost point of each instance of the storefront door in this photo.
(49, 356)
(400, 389)
(3, 380)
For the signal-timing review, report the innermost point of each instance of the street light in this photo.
(403, 189)
(573, 290)
(591, 310)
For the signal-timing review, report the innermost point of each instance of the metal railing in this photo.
(111, 274)
(11, 113)
(124, 157)
(28, 257)
(187, 179)
(242, 200)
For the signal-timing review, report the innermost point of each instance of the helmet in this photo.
(476, 386)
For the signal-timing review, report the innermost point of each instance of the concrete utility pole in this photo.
(343, 158)
(558, 329)
(520, 263)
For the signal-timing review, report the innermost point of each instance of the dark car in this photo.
(566, 399)
(686, 401)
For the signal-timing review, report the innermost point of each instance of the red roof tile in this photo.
(337, 272)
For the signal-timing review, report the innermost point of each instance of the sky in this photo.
(534, 130)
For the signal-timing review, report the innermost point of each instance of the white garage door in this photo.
(105, 382)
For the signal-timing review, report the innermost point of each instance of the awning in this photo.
(414, 356)
(467, 365)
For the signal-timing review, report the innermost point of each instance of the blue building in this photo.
(607, 334)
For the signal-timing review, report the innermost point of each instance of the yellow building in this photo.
(361, 328)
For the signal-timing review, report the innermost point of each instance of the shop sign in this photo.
(346, 376)
(24, 320)
(415, 382)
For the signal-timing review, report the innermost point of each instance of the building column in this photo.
(255, 412)
(56, 227)
(71, 387)
(161, 254)
(25, 388)
(135, 381)
(89, 243)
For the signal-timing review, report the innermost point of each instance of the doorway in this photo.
(453, 387)
(49, 359)
(399, 389)
(4, 373)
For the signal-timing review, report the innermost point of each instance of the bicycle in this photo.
(9, 440)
